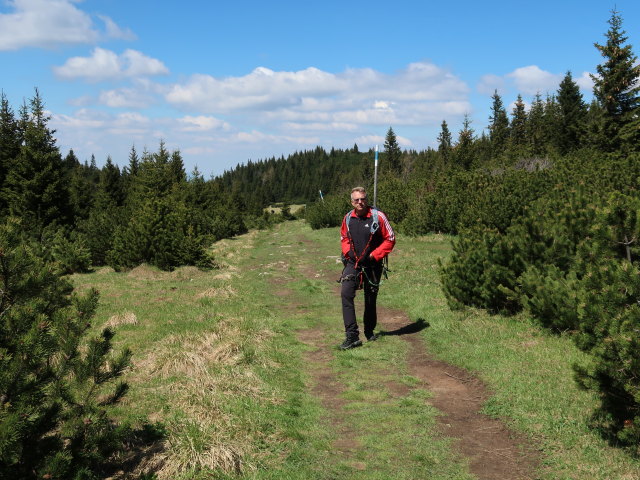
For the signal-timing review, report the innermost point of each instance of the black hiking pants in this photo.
(353, 280)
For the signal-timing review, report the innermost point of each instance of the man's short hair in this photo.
(359, 189)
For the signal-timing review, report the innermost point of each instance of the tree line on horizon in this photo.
(544, 205)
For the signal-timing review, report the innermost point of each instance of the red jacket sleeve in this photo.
(344, 238)
(388, 236)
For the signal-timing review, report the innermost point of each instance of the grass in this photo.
(219, 362)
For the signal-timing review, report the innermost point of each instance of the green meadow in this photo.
(238, 366)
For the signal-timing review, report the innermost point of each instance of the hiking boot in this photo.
(371, 337)
(350, 343)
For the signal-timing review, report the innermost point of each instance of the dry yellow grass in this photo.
(104, 270)
(196, 446)
(188, 273)
(218, 292)
(146, 272)
(126, 318)
(203, 371)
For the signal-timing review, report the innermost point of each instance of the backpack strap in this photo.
(374, 224)
(347, 217)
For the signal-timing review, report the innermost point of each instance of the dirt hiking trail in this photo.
(492, 451)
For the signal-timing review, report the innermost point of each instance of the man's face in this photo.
(359, 202)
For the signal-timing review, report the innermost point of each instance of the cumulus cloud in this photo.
(263, 88)
(304, 100)
(125, 98)
(107, 65)
(585, 82)
(490, 83)
(529, 80)
(202, 123)
(532, 79)
(49, 23)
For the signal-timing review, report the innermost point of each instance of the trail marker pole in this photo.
(375, 179)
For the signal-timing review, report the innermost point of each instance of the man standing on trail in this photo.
(367, 238)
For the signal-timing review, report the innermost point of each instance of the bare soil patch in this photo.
(494, 452)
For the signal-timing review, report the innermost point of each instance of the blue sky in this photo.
(225, 82)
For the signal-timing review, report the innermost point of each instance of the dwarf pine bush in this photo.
(55, 385)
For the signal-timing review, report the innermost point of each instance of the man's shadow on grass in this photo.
(415, 327)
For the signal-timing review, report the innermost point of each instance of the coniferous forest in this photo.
(544, 208)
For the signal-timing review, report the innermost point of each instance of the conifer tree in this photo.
(518, 131)
(617, 85)
(444, 142)
(10, 140)
(498, 126)
(111, 182)
(162, 228)
(463, 153)
(573, 112)
(536, 136)
(593, 126)
(552, 119)
(393, 152)
(34, 186)
(70, 161)
(52, 422)
(134, 161)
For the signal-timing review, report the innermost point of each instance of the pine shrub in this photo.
(482, 272)
(609, 317)
(55, 385)
(327, 213)
(70, 251)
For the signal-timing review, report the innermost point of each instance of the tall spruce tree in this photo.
(444, 142)
(111, 182)
(573, 112)
(463, 152)
(617, 86)
(10, 140)
(35, 188)
(536, 135)
(498, 126)
(552, 119)
(393, 152)
(518, 131)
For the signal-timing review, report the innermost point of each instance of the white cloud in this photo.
(106, 65)
(112, 30)
(125, 98)
(490, 83)
(529, 80)
(313, 100)
(532, 79)
(585, 82)
(49, 23)
(202, 123)
(371, 140)
(261, 89)
(264, 89)
(320, 126)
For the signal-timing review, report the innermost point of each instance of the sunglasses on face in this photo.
(358, 200)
